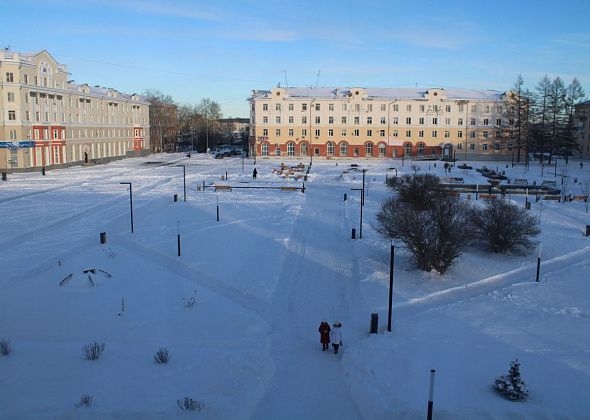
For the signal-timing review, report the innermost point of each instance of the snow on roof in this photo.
(384, 93)
(103, 92)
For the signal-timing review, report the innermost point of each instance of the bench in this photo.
(288, 188)
(549, 183)
(519, 181)
(222, 187)
(452, 180)
(579, 198)
(552, 197)
(454, 193)
(488, 196)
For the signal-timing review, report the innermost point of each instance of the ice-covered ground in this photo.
(265, 275)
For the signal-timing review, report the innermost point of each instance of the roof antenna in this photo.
(317, 78)
(286, 82)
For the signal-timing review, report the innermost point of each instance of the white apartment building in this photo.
(47, 120)
(347, 122)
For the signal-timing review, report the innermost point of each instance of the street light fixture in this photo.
(130, 200)
(183, 179)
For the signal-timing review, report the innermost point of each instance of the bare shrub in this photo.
(5, 347)
(93, 351)
(436, 236)
(421, 191)
(190, 301)
(504, 227)
(189, 404)
(85, 401)
(162, 356)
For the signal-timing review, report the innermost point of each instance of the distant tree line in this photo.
(542, 120)
(176, 127)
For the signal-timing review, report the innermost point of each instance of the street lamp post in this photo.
(183, 179)
(391, 262)
(361, 223)
(130, 200)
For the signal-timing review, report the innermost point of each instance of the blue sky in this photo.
(224, 49)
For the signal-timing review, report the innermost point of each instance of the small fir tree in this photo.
(511, 386)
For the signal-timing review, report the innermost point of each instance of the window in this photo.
(304, 132)
(369, 120)
(357, 120)
(12, 115)
(12, 134)
(370, 107)
(277, 150)
(10, 77)
(447, 134)
(317, 120)
(487, 108)
(408, 134)
(460, 121)
(317, 132)
(343, 120)
(461, 109)
(356, 132)
(383, 107)
(330, 107)
(291, 148)
(343, 132)
(278, 107)
(499, 121)
(472, 134)
(471, 146)
(26, 79)
(10, 96)
(381, 133)
(382, 120)
(291, 132)
(472, 121)
(382, 150)
(420, 149)
(448, 108)
(396, 107)
(264, 149)
(291, 120)
(369, 149)
(473, 108)
(277, 132)
(265, 120)
(317, 107)
(331, 132)
(343, 149)
(304, 120)
(499, 135)
(357, 107)
(421, 133)
(27, 116)
(265, 107)
(356, 151)
(434, 134)
(497, 146)
(459, 146)
(344, 107)
(460, 134)
(421, 108)
(486, 121)
(303, 149)
(447, 121)
(394, 134)
(330, 148)
(265, 132)
(369, 133)
(291, 107)
(421, 120)
(485, 134)
(435, 121)
(408, 120)
(304, 107)
(330, 120)
(55, 134)
(484, 146)
(408, 149)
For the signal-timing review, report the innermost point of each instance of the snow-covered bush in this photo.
(511, 386)
(421, 191)
(162, 356)
(5, 348)
(189, 404)
(85, 400)
(190, 301)
(504, 227)
(434, 232)
(92, 351)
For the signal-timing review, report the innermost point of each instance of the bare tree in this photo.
(585, 187)
(163, 121)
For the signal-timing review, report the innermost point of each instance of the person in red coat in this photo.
(324, 330)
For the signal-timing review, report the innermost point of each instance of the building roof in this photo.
(383, 93)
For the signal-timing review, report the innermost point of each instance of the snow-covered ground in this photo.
(265, 275)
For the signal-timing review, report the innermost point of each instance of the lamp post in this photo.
(130, 200)
(183, 179)
(465, 103)
(388, 124)
(391, 262)
(361, 223)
